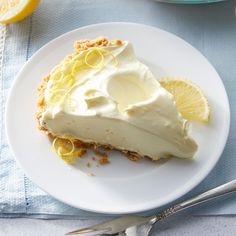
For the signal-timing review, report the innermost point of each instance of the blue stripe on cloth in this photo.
(210, 28)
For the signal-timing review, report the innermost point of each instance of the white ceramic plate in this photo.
(122, 186)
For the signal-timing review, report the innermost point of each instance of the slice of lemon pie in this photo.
(103, 95)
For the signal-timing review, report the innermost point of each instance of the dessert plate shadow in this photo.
(121, 186)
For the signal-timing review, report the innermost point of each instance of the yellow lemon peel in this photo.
(63, 81)
(56, 95)
(65, 149)
(56, 76)
(89, 56)
(59, 87)
(78, 67)
(67, 81)
(110, 54)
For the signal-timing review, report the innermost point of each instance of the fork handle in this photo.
(203, 197)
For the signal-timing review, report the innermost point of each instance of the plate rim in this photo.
(204, 173)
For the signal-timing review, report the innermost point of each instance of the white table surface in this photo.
(177, 226)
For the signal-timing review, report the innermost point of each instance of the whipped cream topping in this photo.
(106, 95)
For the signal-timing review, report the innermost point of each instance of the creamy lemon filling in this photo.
(105, 95)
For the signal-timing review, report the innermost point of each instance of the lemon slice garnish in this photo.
(189, 98)
(16, 10)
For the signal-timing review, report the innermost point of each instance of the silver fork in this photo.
(127, 225)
